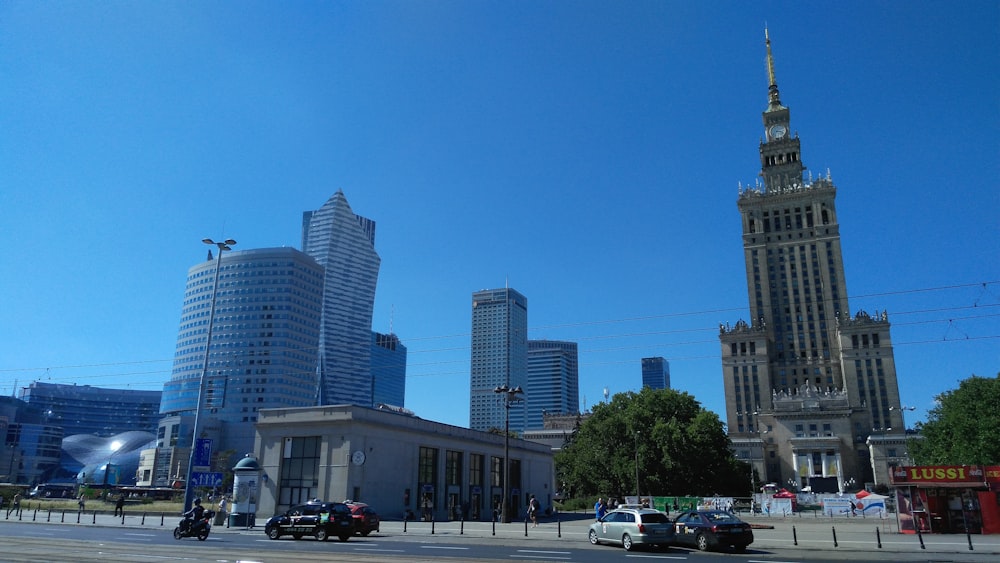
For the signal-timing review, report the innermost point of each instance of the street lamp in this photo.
(508, 396)
(637, 496)
(188, 488)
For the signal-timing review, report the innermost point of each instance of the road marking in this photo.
(681, 557)
(379, 549)
(537, 557)
(443, 547)
(540, 551)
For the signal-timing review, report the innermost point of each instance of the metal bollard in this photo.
(795, 536)
(920, 536)
(494, 526)
(123, 517)
(525, 527)
(558, 526)
(461, 525)
(878, 538)
(432, 524)
(34, 515)
(404, 523)
(968, 536)
(834, 528)
(49, 517)
(161, 518)
(63, 519)
(78, 513)
(143, 523)
(94, 521)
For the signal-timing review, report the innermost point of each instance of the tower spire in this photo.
(773, 99)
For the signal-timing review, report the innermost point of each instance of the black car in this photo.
(314, 518)
(711, 529)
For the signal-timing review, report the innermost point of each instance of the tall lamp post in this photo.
(508, 396)
(902, 414)
(188, 487)
(638, 500)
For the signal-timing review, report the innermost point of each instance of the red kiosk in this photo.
(947, 498)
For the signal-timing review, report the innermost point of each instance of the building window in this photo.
(299, 480)
(496, 471)
(476, 470)
(453, 468)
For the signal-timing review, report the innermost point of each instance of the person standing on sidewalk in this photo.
(15, 505)
(120, 505)
(80, 502)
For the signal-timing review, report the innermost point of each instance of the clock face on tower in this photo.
(777, 132)
(358, 458)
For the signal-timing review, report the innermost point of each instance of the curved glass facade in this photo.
(263, 344)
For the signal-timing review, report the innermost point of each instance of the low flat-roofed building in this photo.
(393, 461)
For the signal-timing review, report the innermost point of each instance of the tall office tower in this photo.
(499, 357)
(805, 382)
(263, 342)
(82, 409)
(344, 244)
(656, 373)
(388, 370)
(553, 380)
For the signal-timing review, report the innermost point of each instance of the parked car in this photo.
(314, 518)
(711, 529)
(633, 527)
(366, 520)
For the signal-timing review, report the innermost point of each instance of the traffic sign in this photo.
(206, 479)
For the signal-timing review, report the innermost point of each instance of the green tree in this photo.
(681, 448)
(962, 428)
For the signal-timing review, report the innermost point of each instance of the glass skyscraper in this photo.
(553, 380)
(264, 341)
(388, 370)
(656, 373)
(499, 357)
(344, 244)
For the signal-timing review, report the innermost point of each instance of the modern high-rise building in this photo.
(499, 357)
(263, 342)
(805, 381)
(99, 411)
(656, 373)
(553, 381)
(344, 244)
(388, 370)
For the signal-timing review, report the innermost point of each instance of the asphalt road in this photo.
(40, 536)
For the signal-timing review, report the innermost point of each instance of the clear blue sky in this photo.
(588, 152)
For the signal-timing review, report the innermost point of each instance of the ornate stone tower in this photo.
(806, 383)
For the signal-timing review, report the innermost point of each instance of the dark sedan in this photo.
(712, 529)
(314, 518)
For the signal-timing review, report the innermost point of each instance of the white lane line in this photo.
(365, 549)
(681, 557)
(444, 547)
(540, 551)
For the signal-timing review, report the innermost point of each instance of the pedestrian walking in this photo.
(15, 505)
(120, 506)
(80, 502)
(600, 509)
(533, 511)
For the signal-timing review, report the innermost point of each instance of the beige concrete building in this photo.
(393, 461)
(806, 381)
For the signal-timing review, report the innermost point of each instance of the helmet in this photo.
(197, 501)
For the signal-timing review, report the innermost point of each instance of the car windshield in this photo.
(655, 518)
(722, 517)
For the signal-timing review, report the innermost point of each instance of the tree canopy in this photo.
(682, 449)
(962, 429)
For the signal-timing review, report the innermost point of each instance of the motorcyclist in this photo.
(194, 515)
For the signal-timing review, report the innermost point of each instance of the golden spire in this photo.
(773, 99)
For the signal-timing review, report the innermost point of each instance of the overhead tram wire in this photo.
(977, 306)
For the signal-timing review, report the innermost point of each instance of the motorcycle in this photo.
(190, 527)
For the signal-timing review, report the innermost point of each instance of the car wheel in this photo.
(274, 533)
(593, 538)
(702, 542)
(627, 542)
(344, 538)
(321, 534)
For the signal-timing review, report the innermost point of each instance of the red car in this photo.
(365, 518)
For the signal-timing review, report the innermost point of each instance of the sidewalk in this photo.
(807, 533)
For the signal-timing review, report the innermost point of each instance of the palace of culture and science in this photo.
(808, 385)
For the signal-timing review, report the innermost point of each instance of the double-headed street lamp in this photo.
(188, 487)
(902, 414)
(509, 397)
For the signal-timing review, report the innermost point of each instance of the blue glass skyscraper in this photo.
(344, 244)
(656, 373)
(499, 356)
(388, 370)
(553, 380)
